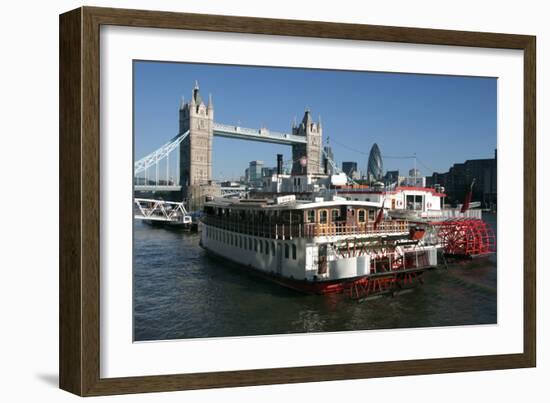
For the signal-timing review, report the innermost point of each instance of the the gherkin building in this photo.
(375, 168)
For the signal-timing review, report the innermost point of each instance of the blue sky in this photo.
(441, 119)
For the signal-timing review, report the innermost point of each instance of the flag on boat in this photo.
(379, 216)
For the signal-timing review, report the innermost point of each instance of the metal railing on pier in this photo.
(160, 210)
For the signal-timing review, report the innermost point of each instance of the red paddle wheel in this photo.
(466, 237)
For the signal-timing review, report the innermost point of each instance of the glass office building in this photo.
(375, 168)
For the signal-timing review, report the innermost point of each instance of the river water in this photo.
(180, 292)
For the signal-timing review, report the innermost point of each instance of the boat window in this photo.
(310, 216)
(250, 243)
(255, 245)
(361, 216)
(294, 251)
(273, 248)
(419, 202)
(371, 215)
(261, 247)
(323, 216)
(286, 216)
(266, 248)
(335, 214)
(414, 202)
(287, 250)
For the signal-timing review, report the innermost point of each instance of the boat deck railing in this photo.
(289, 231)
(456, 213)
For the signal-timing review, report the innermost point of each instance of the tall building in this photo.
(255, 172)
(375, 167)
(391, 177)
(307, 157)
(266, 171)
(349, 168)
(415, 178)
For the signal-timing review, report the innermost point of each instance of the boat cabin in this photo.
(401, 198)
(295, 218)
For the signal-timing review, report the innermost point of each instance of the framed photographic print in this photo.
(249, 201)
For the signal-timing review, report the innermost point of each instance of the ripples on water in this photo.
(181, 292)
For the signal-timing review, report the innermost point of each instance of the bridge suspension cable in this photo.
(156, 156)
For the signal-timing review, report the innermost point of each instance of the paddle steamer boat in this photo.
(319, 245)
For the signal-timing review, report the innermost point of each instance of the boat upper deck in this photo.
(285, 204)
(290, 218)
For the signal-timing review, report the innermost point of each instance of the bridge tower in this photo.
(312, 150)
(196, 150)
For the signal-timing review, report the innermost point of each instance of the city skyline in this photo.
(405, 114)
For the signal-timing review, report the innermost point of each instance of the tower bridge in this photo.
(192, 151)
(263, 134)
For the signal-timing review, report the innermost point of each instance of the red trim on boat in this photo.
(317, 287)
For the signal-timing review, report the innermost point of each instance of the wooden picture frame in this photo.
(80, 195)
